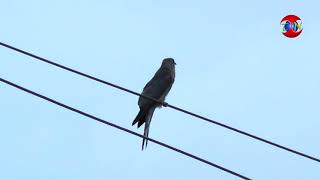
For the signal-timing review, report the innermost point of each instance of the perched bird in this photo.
(158, 88)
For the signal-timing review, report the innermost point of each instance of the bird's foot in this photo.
(162, 103)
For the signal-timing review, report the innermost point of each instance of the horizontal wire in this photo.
(124, 129)
(163, 103)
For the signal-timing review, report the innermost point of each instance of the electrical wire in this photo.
(124, 129)
(163, 103)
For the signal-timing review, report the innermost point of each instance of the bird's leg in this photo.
(162, 103)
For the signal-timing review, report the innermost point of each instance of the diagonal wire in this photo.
(124, 129)
(163, 103)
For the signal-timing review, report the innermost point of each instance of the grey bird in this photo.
(158, 88)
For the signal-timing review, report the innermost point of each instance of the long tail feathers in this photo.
(147, 126)
(144, 116)
(146, 134)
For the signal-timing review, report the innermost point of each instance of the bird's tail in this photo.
(141, 117)
(146, 134)
(147, 126)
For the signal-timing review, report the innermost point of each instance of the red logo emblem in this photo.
(291, 26)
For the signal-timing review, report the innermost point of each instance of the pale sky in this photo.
(234, 66)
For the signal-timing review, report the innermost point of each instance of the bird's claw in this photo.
(164, 104)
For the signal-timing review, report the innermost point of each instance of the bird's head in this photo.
(168, 62)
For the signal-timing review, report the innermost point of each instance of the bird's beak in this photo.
(175, 63)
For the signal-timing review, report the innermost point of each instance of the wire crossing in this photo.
(124, 129)
(163, 103)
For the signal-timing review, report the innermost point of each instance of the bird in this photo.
(158, 88)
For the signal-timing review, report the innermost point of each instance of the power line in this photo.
(163, 103)
(124, 129)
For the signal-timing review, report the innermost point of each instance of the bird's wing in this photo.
(156, 77)
(158, 87)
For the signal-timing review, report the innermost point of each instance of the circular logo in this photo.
(291, 26)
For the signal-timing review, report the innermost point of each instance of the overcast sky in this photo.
(234, 66)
